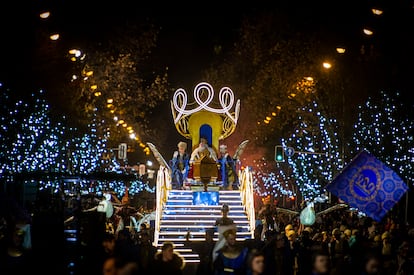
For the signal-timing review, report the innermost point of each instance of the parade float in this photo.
(206, 121)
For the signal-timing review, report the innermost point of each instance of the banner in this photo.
(369, 185)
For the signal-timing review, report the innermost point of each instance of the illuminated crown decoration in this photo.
(204, 96)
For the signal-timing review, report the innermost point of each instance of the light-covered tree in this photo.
(30, 139)
(33, 140)
(317, 157)
(116, 73)
(86, 152)
(41, 148)
(385, 128)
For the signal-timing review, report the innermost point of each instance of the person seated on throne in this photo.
(180, 165)
(227, 169)
(202, 150)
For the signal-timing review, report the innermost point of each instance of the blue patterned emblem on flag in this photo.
(369, 185)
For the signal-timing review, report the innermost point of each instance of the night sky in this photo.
(189, 33)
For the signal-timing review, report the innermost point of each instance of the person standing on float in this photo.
(227, 164)
(179, 164)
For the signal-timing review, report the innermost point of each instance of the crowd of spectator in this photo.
(338, 243)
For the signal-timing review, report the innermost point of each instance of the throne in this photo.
(212, 118)
(205, 170)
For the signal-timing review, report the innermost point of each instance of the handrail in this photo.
(163, 186)
(247, 196)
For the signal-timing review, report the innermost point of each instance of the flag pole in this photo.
(406, 207)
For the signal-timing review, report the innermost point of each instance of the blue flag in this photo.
(369, 185)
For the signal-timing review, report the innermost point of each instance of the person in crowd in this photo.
(371, 264)
(224, 219)
(288, 227)
(290, 253)
(278, 253)
(269, 251)
(146, 252)
(285, 237)
(107, 249)
(109, 266)
(204, 250)
(129, 268)
(347, 235)
(125, 248)
(257, 242)
(320, 262)
(116, 266)
(168, 261)
(180, 165)
(353, 238)
(231, 259)
(15, 258)
(267, 215)
(124, 213)
(387, 253)
(356, 249)
(227, 169)
(255, 262)
(339, 252)
(108, 244)
(305, 251)
(326, 240)
(405, 262)
(143, 228)
(221, 225)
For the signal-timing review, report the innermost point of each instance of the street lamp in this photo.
(54, 36)
(376, 11)
(327, 65)
(75, 52)
(44, 15)
(368, 31)
(340, 50)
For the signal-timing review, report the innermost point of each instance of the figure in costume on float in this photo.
(202, 150)
(180, 165)
(228, 174)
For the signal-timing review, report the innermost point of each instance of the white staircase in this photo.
(179, 216)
